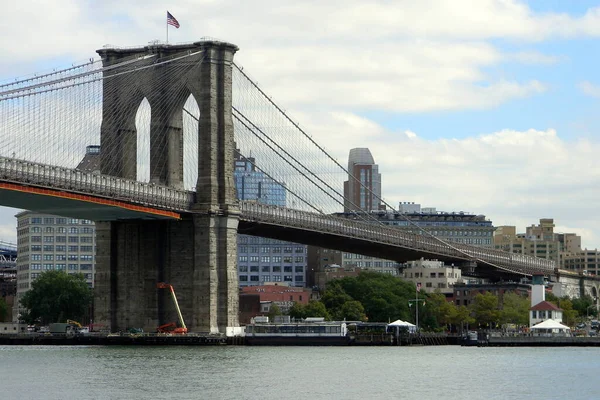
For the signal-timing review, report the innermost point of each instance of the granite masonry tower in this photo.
(198, 253)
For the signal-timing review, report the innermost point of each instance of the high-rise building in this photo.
(50, 242)
(263, 260)
(362, 190)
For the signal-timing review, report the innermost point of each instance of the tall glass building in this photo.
(262, 260)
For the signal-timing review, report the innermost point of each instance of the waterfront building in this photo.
(432, 275)
(465, 292)
(542, 310)
(262, 260)
(583, 261)
(257, 300)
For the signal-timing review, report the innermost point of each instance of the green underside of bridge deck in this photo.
(71, 208)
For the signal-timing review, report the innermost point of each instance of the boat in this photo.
(309, 332)
(470, 339)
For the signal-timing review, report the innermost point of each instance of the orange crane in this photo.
(171, 327)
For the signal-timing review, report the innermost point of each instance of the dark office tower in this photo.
(362, 190)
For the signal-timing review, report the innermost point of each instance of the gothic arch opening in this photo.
(142, 124)
(191, 115)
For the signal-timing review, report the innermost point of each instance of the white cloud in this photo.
(589, 89)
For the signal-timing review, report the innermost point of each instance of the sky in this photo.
(487, 106)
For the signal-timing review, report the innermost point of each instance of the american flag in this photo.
(418, 286)
(171, 20)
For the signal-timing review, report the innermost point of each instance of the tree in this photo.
(56, 296)
(352, 311)
(3, 309)
(485, 309)
(274, 310)
(515, 309)
(312, 309)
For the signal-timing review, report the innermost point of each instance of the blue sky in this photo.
(488, 106)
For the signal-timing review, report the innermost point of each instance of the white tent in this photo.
(403, 324)
(551, 326)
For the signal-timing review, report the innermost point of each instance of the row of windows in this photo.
(61, 257)
(57, 221)
(274, 259)
(70, 267)
(267, 268)
(268, 278)
(49, 229)
(270, 249)
(245, 239)
(58, 248)
(62, 239)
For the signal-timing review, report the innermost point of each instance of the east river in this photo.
(231, 372)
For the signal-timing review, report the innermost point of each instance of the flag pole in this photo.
(167, 27)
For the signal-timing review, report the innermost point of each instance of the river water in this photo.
(232, 372)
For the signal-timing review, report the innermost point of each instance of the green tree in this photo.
(485, 310)
(312, 309)
(274, 310)
(515, 309)
(460, 317)
(569, 314)
(352, 311)
(3, 309)
(383, 296)
(56, 296)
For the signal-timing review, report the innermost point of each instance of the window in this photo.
(276, 268)
(243, 249)
(48, 266)
(36, 257)
(36, 247)
(276, 250)
(287, 269)
(48, 239)
(61, 257)
(253, 258)
(86, 257)
(287, 259)
(73, 239)
(287, 278)
(36, 220)
(254, 278)
(243, 278)
(85, 267)
(265, 268)
(276, 259)
(61, 239)
(73, 267)
(61, 221)
(87, 239)
(243, 259)
(36, 239)
(265, 249)
(254, 268)
(87, 248)
(48, 229)
(243, 268)
(253, 249)
(49, 221)
(48, 247)
(61, 229)
(287, 249)
(61, 267)
(299, 278)
(299, 250)
(299, 268)
(299, 259)
(265, 259)
(73, 249)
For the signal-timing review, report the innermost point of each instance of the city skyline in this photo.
(487, 107)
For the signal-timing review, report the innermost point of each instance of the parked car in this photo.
(581, 325)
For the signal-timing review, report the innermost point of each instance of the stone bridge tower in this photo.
(197, 254)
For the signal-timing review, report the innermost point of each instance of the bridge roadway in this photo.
(103, 197)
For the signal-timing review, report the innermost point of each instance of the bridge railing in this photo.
(517, 263)
(48, 176)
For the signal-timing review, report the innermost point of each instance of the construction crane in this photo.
(171, 327)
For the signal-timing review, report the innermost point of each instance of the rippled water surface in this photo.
(229, 372)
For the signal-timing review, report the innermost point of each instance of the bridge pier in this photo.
(198, 254)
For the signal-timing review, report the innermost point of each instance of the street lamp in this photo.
(416, 301)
